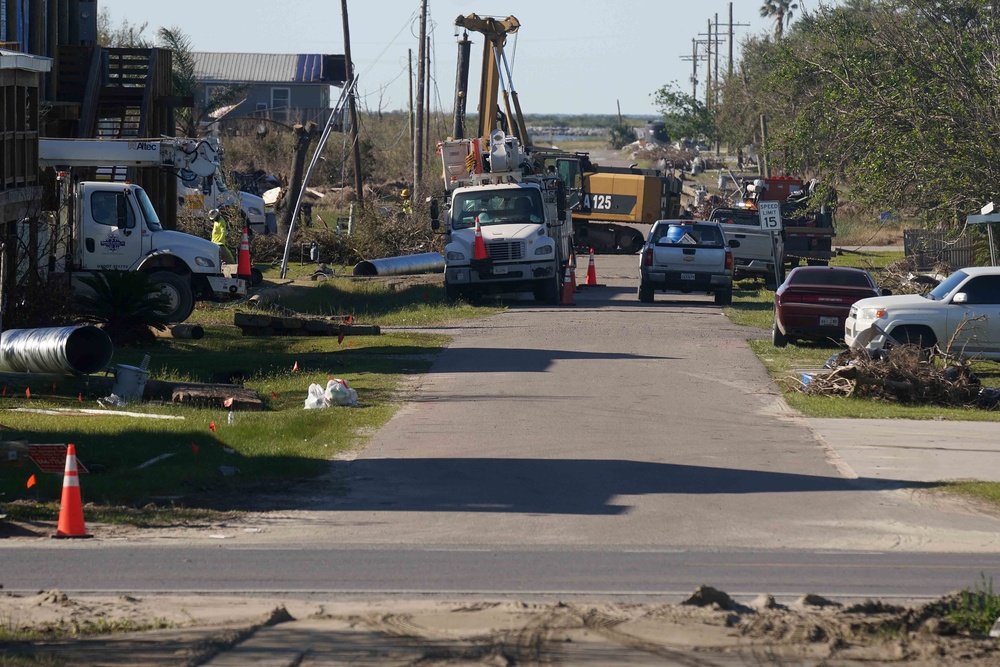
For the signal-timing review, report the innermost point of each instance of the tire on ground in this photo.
(724, 297)
(778, 339)
(177, 289)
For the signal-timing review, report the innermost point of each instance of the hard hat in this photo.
(405, 193)
(213, 214)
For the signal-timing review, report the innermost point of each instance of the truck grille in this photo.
(505, 250)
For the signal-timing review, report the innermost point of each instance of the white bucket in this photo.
(130, 382)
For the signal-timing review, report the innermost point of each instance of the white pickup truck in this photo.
(963, 311)
(687, 256)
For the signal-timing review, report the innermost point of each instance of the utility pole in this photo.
(461, 86)
(694, 58)
(708, 76)
(352, 106)
(418, 139)
(730, 26)
(427, 102)
(409, 70)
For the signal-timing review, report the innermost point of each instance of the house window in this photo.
(280, 101)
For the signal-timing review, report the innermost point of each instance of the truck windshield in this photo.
(148, 212)
(945, 288)
(496, 207)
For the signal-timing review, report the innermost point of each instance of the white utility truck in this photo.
(113, 226)
(198, 194)
(521, 216)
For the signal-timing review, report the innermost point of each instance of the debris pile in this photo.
(904, 374)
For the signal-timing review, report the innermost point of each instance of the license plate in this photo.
(499, 270)
(829, 321)
(687, 276)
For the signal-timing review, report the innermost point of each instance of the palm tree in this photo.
(781, 12)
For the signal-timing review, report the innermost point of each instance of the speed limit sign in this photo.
(770, 215)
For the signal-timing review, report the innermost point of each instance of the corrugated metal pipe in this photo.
(66, 350)
(427, 262)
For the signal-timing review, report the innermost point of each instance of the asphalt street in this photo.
(608, 448)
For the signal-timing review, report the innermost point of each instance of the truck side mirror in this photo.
(435, 213)
(561, 200)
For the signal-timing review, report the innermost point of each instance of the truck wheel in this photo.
(178, 293)
(724, 297)
(915, 335)
(645, 293)
(451, 292)
(778, 339)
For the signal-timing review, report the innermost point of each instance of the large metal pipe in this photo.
(427, 262)
(66, 350)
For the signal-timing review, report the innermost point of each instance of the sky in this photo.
(568, 57)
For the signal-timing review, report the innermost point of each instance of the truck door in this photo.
(112, 238)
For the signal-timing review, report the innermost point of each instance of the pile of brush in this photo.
(904, 374)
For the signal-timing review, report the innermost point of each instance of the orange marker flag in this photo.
(194, 448)
(4, 391)
(211, 427)
(296, 366)
(228, 402)
(27, 393)
(350, 343)
(340, 338)
(80, 397)
(274, 396)
(32, 481)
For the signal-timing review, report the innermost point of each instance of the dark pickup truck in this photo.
(687, 256)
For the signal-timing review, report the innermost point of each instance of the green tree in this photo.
(683, 115)
(186, 84)
(125, 35)
(780, 11)
(620, 135)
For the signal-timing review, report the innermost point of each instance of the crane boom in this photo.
(197, 156)
(494, 33)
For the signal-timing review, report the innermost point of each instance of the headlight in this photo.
(543, 250)
(872, 313)
(455, 256)
(255, 211)
(204, 261)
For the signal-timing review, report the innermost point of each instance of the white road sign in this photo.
(770, 215)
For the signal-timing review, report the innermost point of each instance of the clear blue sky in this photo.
(570, 56)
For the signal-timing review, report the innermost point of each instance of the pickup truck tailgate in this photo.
(687, 258)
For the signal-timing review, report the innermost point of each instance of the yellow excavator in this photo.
(610, 205)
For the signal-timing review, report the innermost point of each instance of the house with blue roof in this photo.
(285, 88)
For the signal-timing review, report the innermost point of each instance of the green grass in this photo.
(282, 447)
(977, 609)
(11, 631)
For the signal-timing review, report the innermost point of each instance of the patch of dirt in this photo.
(194, 630)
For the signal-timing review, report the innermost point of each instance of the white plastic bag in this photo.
(338, 392)
(316, 398)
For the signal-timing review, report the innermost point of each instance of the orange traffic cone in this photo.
(479, 248)
(592, 271)
(572, 269)
(567, 291)
(71, 506)
(243, 260)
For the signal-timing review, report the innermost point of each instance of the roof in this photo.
(269, 67)
(25, 61)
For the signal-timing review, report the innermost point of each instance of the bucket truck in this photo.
(495, 189)
(113, 226)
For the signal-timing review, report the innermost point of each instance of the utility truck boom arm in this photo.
(194, 155)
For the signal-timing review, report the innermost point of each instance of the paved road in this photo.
(610, 447)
